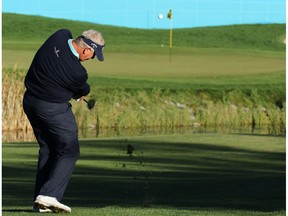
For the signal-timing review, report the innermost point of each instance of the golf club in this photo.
(90, 103)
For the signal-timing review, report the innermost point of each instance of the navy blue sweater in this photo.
(56, 74)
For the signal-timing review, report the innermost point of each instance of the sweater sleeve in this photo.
(82, 91)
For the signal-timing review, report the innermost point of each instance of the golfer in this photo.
(55, 76)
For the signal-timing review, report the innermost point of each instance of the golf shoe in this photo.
(51, 203)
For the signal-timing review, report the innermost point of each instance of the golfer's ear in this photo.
(88, 49)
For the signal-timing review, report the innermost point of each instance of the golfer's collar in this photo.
(72, 48)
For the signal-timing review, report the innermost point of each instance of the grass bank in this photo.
(255, 37)
(196, 174)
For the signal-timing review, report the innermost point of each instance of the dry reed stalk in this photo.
(13, 117)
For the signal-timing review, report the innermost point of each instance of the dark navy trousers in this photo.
(56, 131)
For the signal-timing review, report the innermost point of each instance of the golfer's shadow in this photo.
(17, 210)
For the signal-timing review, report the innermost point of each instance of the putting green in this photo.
(197, 63)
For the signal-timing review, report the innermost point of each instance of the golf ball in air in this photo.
(160, 16)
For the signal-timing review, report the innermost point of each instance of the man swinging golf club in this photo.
(55, 76)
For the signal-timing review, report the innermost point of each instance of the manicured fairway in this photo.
(184, 174)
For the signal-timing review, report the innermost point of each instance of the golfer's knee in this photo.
(76, 153)
(69, 147)
(73, 151)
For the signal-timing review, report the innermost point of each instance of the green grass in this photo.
(191, 174)
(264, 37)
(202, 54)
(207, 56)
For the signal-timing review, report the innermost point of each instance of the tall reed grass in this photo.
(13, 116)
(154, 108)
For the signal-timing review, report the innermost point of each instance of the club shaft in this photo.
(85, 100)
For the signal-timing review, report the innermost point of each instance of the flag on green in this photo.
(169, 15)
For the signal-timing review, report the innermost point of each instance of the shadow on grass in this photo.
(17, 210)
(181, 175)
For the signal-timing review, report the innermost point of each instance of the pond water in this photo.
(26, 136)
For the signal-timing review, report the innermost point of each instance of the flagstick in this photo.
(171, 40)
(169, 16)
